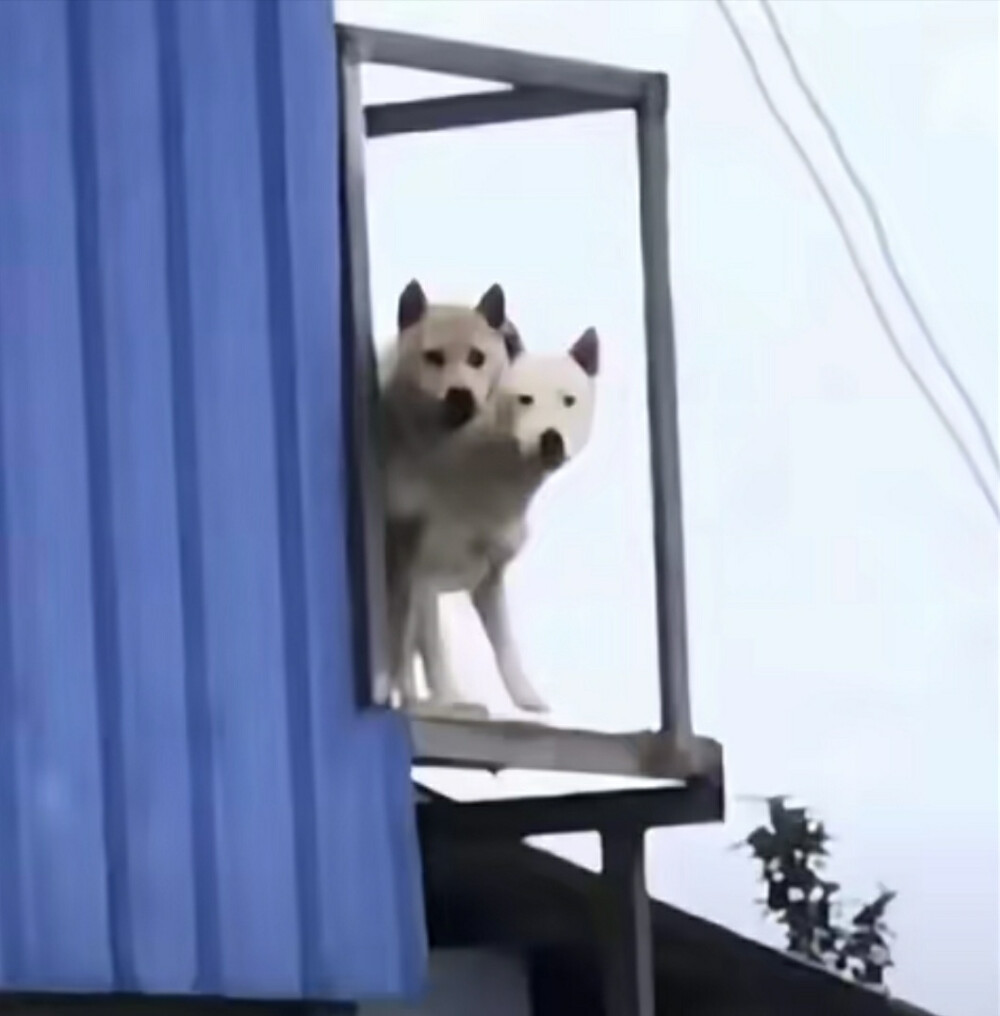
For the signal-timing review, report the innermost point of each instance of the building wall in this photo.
(468, 982)
(190, 798)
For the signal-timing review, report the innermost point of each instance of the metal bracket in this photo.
(620, 910)
(626, 931)
(612, 813)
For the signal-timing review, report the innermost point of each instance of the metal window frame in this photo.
(538, 87)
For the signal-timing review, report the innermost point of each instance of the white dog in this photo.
(474, 523)
(439, 377)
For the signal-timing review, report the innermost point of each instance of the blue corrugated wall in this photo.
(189, 798)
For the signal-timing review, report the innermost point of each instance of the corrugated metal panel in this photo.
(189, 800)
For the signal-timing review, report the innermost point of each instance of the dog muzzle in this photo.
(551, 449)
(457, 408)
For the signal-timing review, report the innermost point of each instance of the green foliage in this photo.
(791, 851)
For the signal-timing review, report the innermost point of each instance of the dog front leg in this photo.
(402, 538)
(490, 601)
(404, 633)
(441, 682)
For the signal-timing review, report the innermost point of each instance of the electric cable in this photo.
(881, 234)
(859, 268)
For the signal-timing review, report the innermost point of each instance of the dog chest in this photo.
(455, 557)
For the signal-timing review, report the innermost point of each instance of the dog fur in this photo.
(436, 381)
(438, 377)
(475, 521)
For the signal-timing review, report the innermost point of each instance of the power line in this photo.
(866, 282)
(880, 232)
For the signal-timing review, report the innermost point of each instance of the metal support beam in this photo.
(664, 426)
(619, 812)
(361, 386)
(626, 927)
(492, 63)
(475, 109)
(495, 745)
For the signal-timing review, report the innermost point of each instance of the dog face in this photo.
(546, 403)
(450, 359)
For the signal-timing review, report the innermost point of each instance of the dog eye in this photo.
(569, 400)
(476, 358)
(525, 400)
(434, 357)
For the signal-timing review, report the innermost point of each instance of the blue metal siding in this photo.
(189, 799)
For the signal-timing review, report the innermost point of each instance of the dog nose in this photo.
(552, 448)
(459, 407)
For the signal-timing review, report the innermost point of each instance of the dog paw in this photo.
(409, 698)
(455, 706)
(530, 702)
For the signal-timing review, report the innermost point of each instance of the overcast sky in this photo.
(842, 568)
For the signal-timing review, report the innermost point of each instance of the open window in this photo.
(530, 88)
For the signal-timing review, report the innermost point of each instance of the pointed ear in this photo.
(586, 351)
(512, 340)
(493, 306)
(412, 306)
